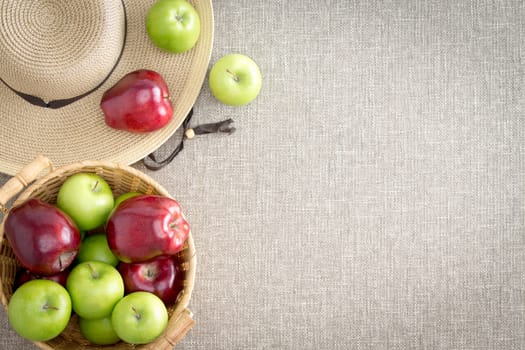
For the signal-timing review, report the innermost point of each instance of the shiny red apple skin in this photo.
(162, 276)
(146, 226)
(43, 238)
(139, 102)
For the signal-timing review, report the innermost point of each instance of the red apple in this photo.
(60, 277)
(146, 226)
(139, 102)
(161, 276)
(43, 238)
(24, 275)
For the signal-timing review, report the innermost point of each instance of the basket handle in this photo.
(23, 178)
(178, 326)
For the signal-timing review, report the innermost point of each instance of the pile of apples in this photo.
(111, 261)
(140, 101)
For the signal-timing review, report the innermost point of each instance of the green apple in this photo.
(121, 199)
(39, 310)
(173, 25)
(87, 198)
(139, 317)
(95, 248)
(125, 196)
(235, 80)
(98, 331)
(95, 287)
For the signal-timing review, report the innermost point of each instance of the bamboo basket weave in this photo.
(30, 183)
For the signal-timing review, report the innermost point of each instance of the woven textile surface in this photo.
(373, 195)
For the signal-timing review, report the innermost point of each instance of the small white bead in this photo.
(189, 133)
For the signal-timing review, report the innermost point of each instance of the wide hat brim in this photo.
(78, 132)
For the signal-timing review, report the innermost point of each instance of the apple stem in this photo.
(94, 187)
(49, 307)
(94, 273)
(234, 76)
(150, 274)
(137, 314)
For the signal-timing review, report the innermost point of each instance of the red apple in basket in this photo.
(139, 102)
(162, 276)
(43, 238)
(146, 226)
(24, 275)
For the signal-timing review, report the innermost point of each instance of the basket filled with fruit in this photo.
(94, 255)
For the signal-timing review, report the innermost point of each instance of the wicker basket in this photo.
(30, 183)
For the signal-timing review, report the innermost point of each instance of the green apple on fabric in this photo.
(139, 318)
(94, 287)
(173, 25)
(235, 79)
(95, 248)
(98, 331)
(87, 198)
(39, 310)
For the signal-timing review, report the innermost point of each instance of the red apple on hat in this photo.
(139, 102)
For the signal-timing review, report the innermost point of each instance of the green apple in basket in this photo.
(87, 198)
(95, 248)
(139, 318)
(39, 310)
(95, 287)
(99, 330)
(124, 196)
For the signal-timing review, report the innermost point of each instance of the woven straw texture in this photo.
(121, 179)
(77, 131)
(49, 48)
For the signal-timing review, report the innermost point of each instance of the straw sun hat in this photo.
(56, 60)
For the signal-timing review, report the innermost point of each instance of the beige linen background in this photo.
(373, 196)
